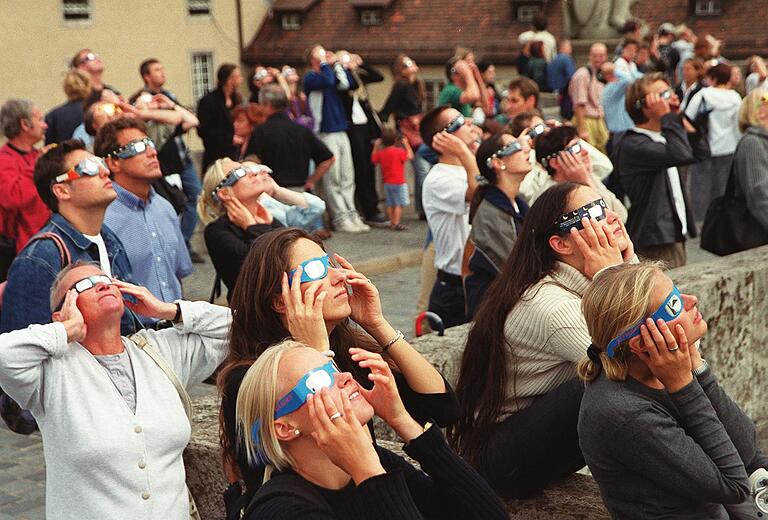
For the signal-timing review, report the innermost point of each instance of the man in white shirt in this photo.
(448, 187)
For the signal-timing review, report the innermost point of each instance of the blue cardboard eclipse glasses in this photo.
(667, 311)
(595, 209)
(311, 383)
(454, 125)
(311, 270)
(508, 149)
(231, 178)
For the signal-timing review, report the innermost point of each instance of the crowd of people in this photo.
(550, 235)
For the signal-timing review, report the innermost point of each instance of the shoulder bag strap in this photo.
(64, 255)
(141, 341)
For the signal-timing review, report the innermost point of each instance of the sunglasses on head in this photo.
(235, 175)
(134, 148)
(667, 311)
(508, 149)
(574, 149)
(87, 283)
(90, 166)
(595, 209)
(454, 125)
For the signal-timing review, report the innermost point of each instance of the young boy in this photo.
(392, 159)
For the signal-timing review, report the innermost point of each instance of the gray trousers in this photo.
(706, 181)
(339, 180)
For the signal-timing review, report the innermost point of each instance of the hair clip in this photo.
(594, 355)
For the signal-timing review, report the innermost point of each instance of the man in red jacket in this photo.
(22, 212)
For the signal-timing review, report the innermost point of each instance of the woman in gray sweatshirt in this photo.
(660, 435)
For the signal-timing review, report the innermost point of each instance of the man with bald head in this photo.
(76, 187)
(109, 408)
(586, 91)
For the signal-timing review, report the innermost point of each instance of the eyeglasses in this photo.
(407, 63)
(666, 95)
(537, 131)
(260, 74)
(508, 149)
(134, 148)
(90, 166)
(667, 311)
(91, 56)
(574, 149)
(87, 283)
(235, 175)
(454, 125)
(595, 209)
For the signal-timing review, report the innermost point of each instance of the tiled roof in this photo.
(428, 30)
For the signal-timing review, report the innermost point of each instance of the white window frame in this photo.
(87, 4)
(708, 8)
(526, 13)
(203, 3)
(290, 21)
(432, 88)
(201, 85)
(371, 17)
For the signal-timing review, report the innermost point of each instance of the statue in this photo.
(596, 19)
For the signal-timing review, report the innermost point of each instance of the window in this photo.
(291, 21)
(526, 13)
(433, 88)
(707, 8)
(202, 74)
(199, 7)
(77, 10)
(370, 17)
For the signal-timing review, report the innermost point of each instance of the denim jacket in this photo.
(26, 297)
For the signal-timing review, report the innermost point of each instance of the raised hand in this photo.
(344, 440)
(71, 317)
(597, 246)
(146, 302)
(365, 301)
(668, 360)
(237, 213)
(304, 312)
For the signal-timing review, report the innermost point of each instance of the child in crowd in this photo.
(391, 153)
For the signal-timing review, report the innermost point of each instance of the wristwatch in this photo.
(701, 368)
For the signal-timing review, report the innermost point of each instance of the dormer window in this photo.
(290, 21)
(370, 17)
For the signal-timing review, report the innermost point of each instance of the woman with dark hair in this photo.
(496, 213)
(314, 306)
(213, 110)
(406, 101)
(537, 66)
(517, 384)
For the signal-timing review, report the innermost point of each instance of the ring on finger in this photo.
(673, 349)
(335, 416)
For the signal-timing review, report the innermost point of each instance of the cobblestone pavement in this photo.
(22, 469)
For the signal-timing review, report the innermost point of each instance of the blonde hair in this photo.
(617, 299)
(207, 208)
(77, 85)
(256, 401)
(750, 106)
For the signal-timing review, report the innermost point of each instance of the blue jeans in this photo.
(420, 170)
(190, 184)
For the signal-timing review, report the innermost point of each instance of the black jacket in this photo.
(367, 75)
(642, 167)
(215, 128)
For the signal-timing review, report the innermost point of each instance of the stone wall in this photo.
(733, 296)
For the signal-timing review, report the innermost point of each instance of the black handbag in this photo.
(728, 226)
(7, 254)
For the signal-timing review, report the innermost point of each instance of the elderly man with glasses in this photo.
(113, 410)
(146, 223)
(448, 187)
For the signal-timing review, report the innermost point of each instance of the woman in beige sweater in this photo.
(517, 385)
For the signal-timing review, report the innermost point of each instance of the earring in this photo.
(296, 433)
(503, 167)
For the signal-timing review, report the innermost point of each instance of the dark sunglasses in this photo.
(134, 148)
(574, 149)
(508, 149)
(454, 125)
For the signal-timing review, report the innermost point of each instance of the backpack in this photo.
(18, 420)
(286, 483)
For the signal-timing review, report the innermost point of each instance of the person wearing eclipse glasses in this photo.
(647, 158)
(111, 408)
(517, 384)
(304, 418)
(145, 222)
(291, 287)
(661, 436)
(240, 202)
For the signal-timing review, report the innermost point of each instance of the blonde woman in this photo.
(307, 421)
(661, 436)
(239, 203)
(63, 119)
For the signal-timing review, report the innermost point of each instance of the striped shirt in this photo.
(548, 335)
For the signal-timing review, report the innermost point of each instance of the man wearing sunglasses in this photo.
(90, 63)
(448, 187)
(647, 158)
(146, 223)
(76, 187)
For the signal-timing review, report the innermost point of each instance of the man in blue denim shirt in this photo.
(77, 189)
(145, 222)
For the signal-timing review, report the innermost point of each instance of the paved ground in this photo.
(22, 470)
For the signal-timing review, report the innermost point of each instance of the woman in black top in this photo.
(320, 313)
(321, 444)
(214, 111)
(237, 210)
